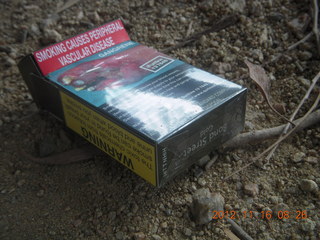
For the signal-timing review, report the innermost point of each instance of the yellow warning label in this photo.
(117, 142)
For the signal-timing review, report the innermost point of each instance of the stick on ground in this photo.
(282, 138)
(238, 231)
(306, 96)
(315, 24)
(269, 133)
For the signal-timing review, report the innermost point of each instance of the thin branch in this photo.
(306, 96)
(269, 133)
(315, 24)
(218, 26)
(238, 231)
(291, 47)
(282, 138)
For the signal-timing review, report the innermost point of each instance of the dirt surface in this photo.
(99, 198)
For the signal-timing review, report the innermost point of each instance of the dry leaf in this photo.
(259, 76)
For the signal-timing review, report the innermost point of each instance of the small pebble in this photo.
(50, 36)
(307, 225)
(164, 11)
(211, 162)
(202, 182)
(308, 185)
(298, 157)
(119, 235)
(203, 161)
(312, 160)
(139, 236)
(251, 189)
(9, 62)
(187, 232)
(156, 237)
(203, 205)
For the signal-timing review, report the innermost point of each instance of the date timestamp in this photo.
(268, 215)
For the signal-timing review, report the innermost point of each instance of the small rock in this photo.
(187, 232)
(203, 205)
(203, 161)
(308, 185)
(237, 5)
(206, 5)
(211, 162)
(312, 160)
(50, 36)
(305, 82)
(183, 20)
(257, 54)
(300, 24)
(305, 55)
(307, 225)
(139, 236)
(238, 43)
(280, 207)
(9, 62)
(80, 15)
(298, 157)
(156, 237)
(150, 3)
(34, 30)
(256, 9)
(120, 235)
(50, 21)
(6, 49)
(168, 212)
(275, 16)
(40, 193)
(164, 225)
(202, 182)
(251, 189)
(164, 12)
(94, 17)
(221, 67)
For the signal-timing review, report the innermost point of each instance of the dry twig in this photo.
(315, 31)
(218, 26)
(238, 231)
(315, 24)
(282, 138)
(306, 96)
(291, 47)
(269, 133)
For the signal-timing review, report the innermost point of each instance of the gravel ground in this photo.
(99, 198)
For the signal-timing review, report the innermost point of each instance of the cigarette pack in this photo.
(154, 114)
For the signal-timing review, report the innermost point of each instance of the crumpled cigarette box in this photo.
(154, 114)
